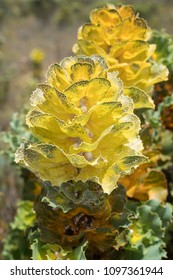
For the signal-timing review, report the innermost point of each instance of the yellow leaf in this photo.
(81, 71)
(107, 17)
(130, 51)
(94, 67)
(145, 184)
(84, 93)
(126, 11)
(55, 131)
(140, 98)
(47, 99)
(48, 162)
(57, 77)
(93, 33)
(131, 161)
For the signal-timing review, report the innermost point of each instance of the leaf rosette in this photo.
(120, 36)
(81, 212)
(85, 125)
(147, 234)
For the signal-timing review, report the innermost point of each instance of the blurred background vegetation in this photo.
(33, 35)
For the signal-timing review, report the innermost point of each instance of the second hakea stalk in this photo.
(119, 35)
(85, 125)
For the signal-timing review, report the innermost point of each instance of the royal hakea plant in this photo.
(86, 124)
(87, 142)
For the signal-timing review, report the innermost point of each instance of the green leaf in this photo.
(164, 50)
(70, 195)
(140, 98)
(46, 251)
(147, 233)
(15, 246)
(25, 216)
(163, 210)
(78, 253)
(82, 211)
(40, 250)
(154, 117)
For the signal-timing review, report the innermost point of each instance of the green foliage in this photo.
(169, 240)
(17, 131)
(161, 139)
(145, 236)
(15, 244)
(25, 216)
(147, 233)
(164, 49)
(46, 251)
(82, 211)
(154, 117)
